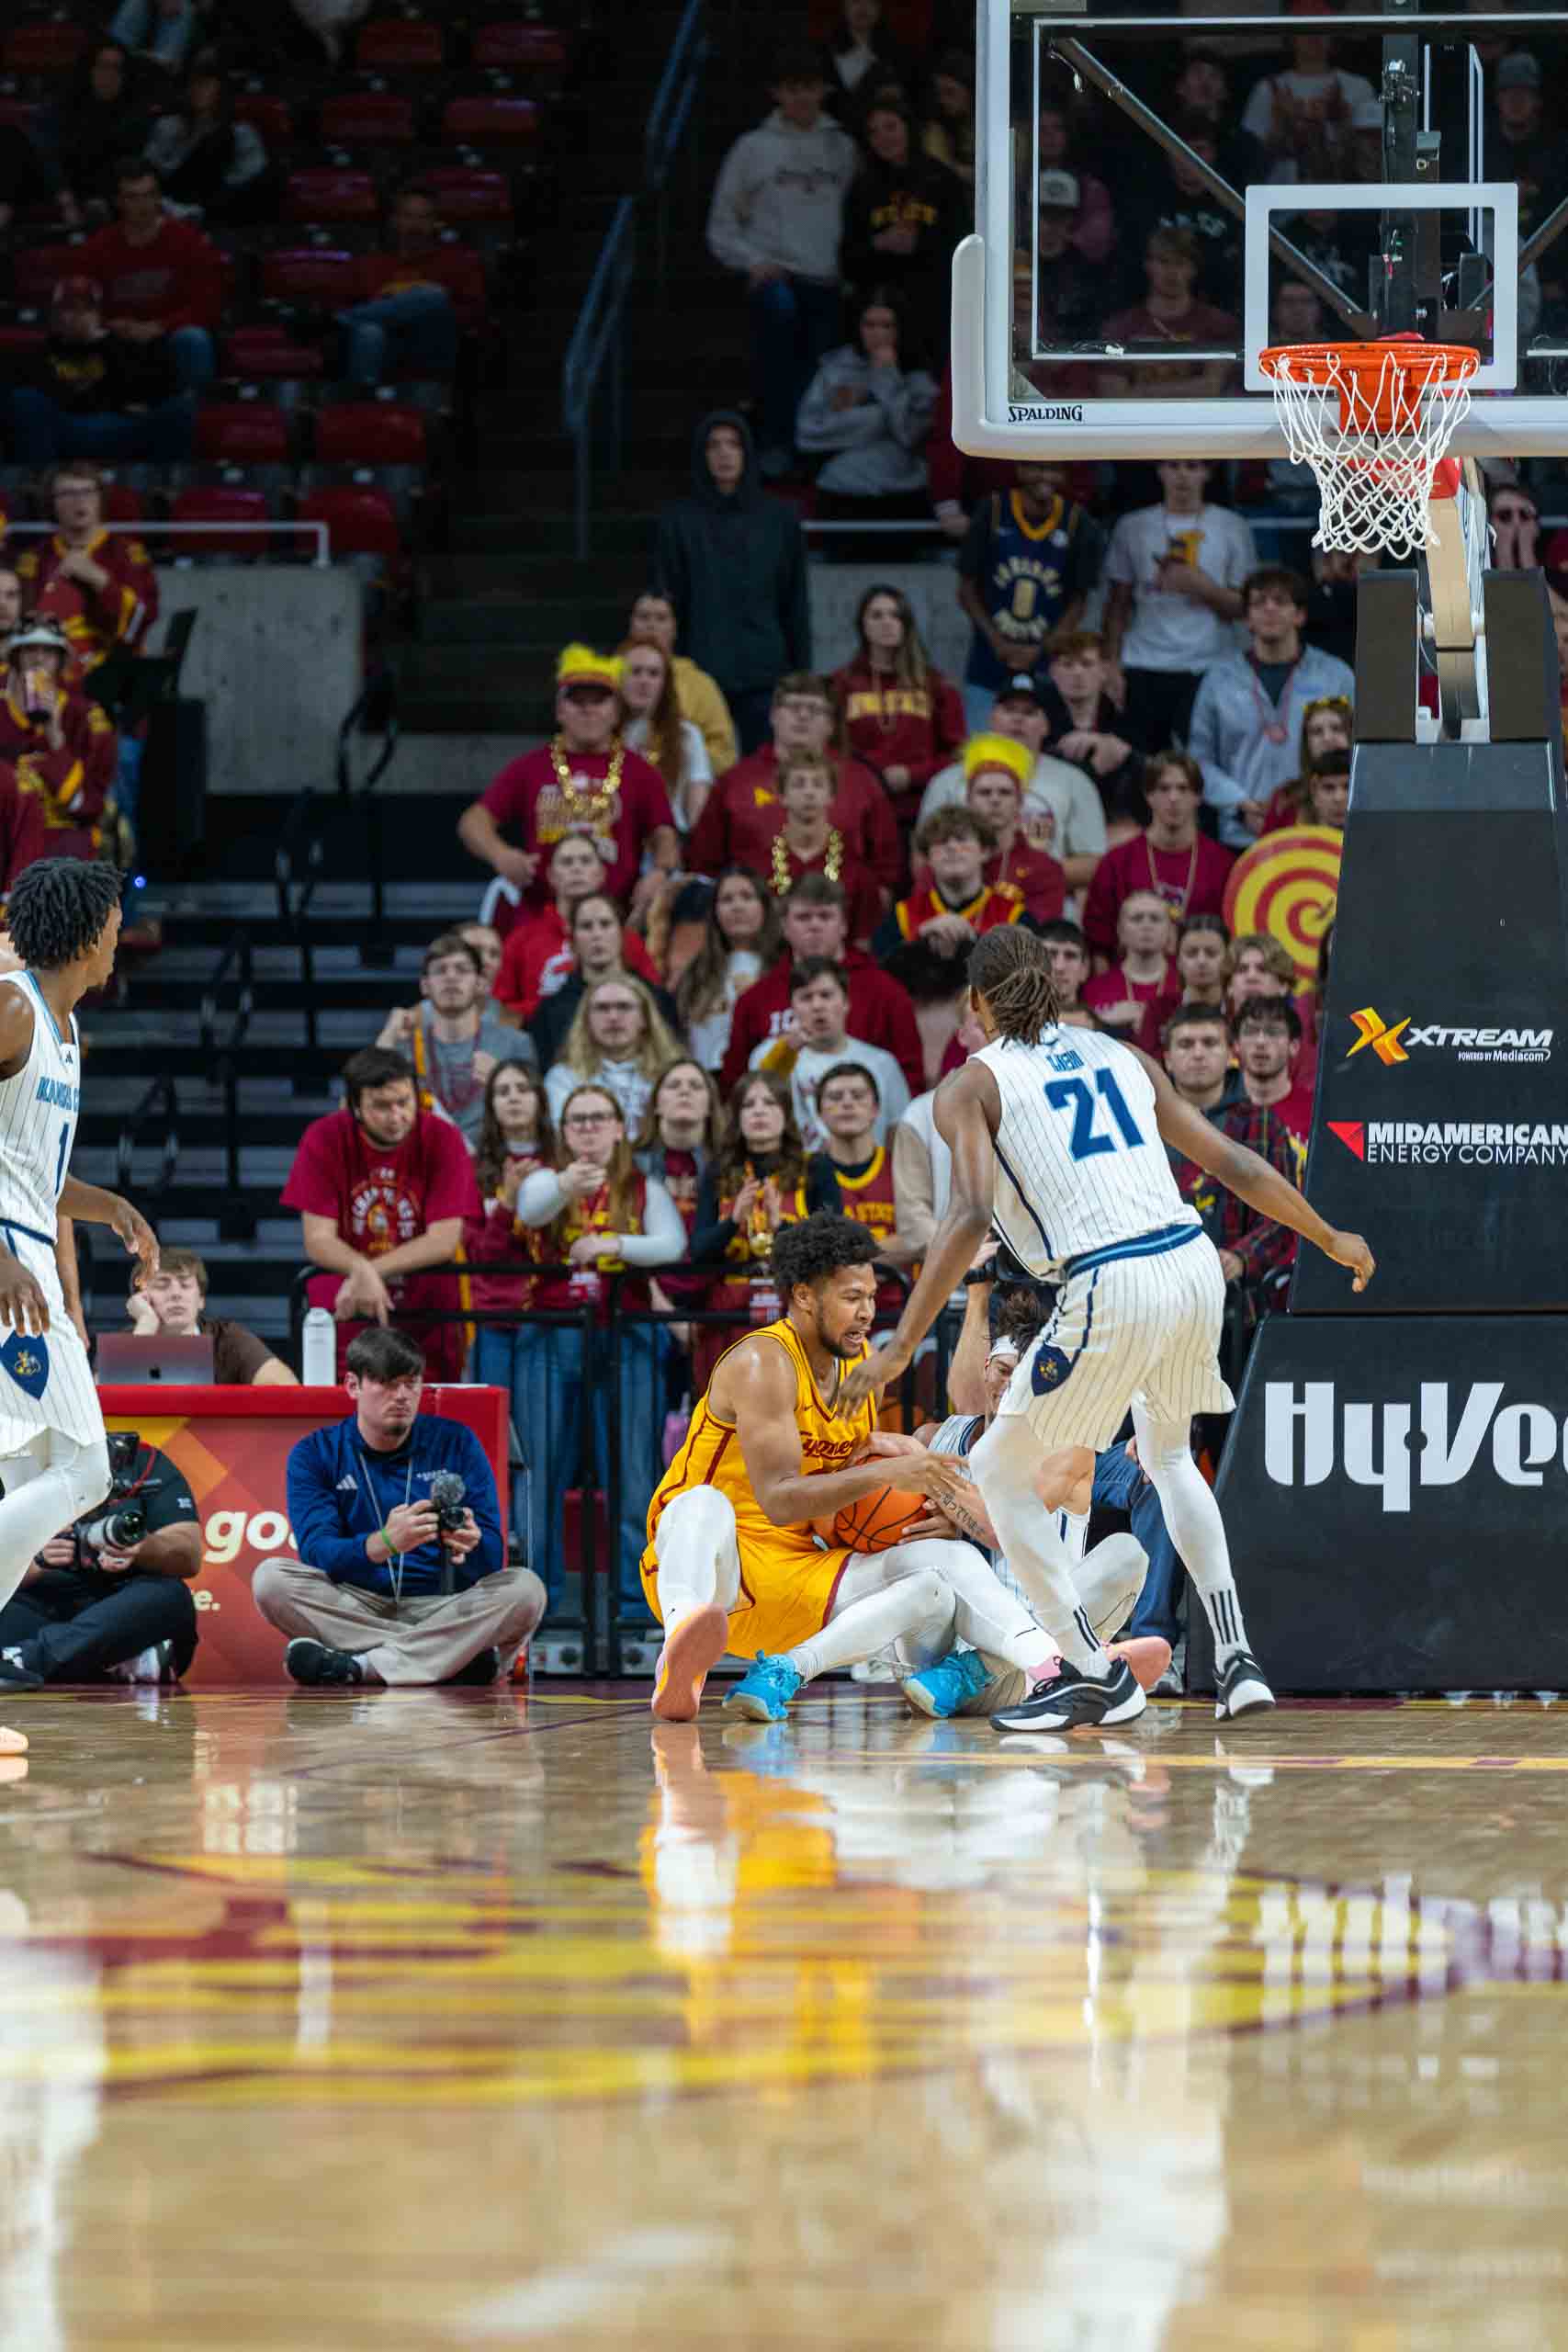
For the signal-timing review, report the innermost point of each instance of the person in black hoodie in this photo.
(902, 221)
(85, 393)
(103, 117)
(733, 564)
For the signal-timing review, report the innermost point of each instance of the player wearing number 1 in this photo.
(1058, 1135)
(65, 921)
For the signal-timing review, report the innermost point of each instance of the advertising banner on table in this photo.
(232, 1446)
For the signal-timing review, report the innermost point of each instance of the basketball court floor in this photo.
(429, 2021)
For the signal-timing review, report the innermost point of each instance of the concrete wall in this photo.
(276, 657)
(931, 588)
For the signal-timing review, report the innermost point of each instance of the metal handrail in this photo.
(594, 350)
(318, 532)
(237, 1221)
(374, 946)
(161, 1096)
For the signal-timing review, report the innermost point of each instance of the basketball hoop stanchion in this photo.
(1373, 420)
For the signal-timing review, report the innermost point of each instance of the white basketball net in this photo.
(1376, 485)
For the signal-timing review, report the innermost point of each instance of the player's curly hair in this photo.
(817, 1247)
(57, 909)
(1012, 971)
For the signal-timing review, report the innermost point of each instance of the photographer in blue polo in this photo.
(401, 1575)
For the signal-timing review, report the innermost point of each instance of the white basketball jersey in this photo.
(38, 1121)
(1080, 1165)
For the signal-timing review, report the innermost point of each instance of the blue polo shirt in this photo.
(340, 1490)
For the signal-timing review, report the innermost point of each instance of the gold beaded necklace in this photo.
(832, 863)
(588, 809)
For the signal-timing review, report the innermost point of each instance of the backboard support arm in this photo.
(1083, 62)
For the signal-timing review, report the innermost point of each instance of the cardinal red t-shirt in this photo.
(538, 958)
(379, 1199)
(529, 805)
(1158, 997)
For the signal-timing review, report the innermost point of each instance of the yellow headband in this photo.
(581, 666)
(997, 751)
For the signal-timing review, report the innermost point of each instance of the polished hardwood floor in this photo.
(473, 2018)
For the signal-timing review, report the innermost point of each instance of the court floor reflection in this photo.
(475, 2019)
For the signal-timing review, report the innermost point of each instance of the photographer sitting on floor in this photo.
(401, 1574)
(109, 1594)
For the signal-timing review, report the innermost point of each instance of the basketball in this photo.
(877, 1521)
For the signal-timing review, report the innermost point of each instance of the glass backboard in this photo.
(1157, 197)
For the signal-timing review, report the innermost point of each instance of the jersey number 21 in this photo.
(1074, 1094)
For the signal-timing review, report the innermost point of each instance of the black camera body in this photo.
(447, 1492)
(120, 1521)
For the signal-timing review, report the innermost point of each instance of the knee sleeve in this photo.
(85, 1470)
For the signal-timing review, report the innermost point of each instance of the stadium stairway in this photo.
(507, 592)
(281, 1082)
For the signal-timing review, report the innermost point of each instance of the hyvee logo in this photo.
(1435, 1143)
(1307, 1435)
(1392, 1041)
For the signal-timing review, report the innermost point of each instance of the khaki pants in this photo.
(423, 1638)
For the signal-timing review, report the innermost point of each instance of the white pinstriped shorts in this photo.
(45, 1383)
(1139, 1326)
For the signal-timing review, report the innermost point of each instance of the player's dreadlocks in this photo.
(58, 906)
(1011, 970)
(819, 1245)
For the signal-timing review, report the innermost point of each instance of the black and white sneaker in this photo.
(15, 1675)
(1242, 1690)
(318, 1666)
(1071, 1699)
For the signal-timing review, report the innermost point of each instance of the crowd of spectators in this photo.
(252, 259)
(716, 964)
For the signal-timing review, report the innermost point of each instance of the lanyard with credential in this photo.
(394, 1559)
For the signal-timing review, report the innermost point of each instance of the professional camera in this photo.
(447, 1492)
(121, 1521)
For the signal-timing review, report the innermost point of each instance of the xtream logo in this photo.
(1307, 1435)
(1391, 1040)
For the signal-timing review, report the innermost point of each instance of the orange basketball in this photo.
(877, 1521)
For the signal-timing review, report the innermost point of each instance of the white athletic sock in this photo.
(1004, 1464)
(989, 1618)
(1074, 1533)
(916, 1611)
(1196, 1528)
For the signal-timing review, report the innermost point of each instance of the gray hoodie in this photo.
(779, 198)
(881, 440)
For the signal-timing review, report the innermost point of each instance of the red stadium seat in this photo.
(464, 193)
(325, 192)
(48, 47)
(315, 277)
(38, 269)
(243, 433)
(270, 353)
(267, 113)
(370, 432)
(519, 47)
(399, 44)
(367, 118)
(359, 520)
(220, 505)
(490, 121)
(123, 504)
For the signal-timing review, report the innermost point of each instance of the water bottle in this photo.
(318, 1352)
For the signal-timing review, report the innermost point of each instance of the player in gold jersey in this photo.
(733, 1561)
